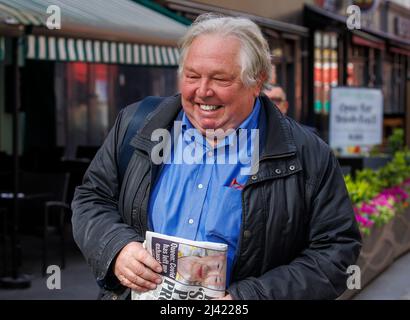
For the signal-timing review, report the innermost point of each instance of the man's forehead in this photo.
(219, 50)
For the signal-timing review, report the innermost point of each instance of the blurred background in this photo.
(344, 66)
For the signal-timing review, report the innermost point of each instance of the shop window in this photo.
(88, 102)
(356, 67)
(325, 70)
(364, 68)
(285, 62)
(89, 97)
(398, 84)
(387, 85)
(394, 80)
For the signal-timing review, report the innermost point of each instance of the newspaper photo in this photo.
(191, 270)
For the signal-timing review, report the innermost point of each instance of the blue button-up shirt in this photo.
(201, 200)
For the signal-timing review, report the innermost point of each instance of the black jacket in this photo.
(298, 233)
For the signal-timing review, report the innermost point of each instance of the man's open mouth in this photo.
(208, 107)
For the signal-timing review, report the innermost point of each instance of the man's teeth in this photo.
(207, 107)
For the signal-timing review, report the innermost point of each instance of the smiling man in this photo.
(212, 92)
(289, 224)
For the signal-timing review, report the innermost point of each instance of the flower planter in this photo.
(381, 248)
(401, 233)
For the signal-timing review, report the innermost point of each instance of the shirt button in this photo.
(254, 178)
(200, 186)
(191, 221)
(292, 167)
(210, 154)
(278, 171)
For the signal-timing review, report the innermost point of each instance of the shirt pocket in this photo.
(225, 215)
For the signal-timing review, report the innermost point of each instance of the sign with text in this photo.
(356, 117)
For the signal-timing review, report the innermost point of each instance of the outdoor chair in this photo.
(61, 209)
(48, 194)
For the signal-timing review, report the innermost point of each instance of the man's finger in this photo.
(144, 272)
(138, 280)
(144, 257)
(125, 282)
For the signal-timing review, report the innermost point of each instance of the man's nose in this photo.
(204, 90)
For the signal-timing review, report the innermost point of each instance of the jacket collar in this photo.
(162, 117)
(275, 136)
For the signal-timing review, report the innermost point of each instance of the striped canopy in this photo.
(101, 31)
(69, 49)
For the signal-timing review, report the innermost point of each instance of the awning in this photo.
(323, 17)
(70, 49)
(364, 39)
(196, 8)
(108, 31)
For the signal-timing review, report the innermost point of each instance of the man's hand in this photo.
(135, 268)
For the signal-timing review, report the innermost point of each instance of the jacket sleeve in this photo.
(334, 243)
(98, 228)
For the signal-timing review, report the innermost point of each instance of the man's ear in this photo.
(179, 83)
(285, 106)
(259, 84)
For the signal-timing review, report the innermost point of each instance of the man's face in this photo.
(213, 95)
(277, 96)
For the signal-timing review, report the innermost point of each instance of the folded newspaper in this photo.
(191, 270)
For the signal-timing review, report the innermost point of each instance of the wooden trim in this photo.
(402, 51)
(360, 41)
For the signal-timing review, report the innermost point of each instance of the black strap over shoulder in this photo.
(146, 106)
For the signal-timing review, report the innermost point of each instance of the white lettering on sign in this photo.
(356, 116)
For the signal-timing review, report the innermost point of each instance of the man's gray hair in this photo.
(254, 56)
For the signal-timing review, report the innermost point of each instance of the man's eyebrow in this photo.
(190, 69)
(214, 73)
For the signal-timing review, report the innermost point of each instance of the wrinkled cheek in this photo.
(187, 91)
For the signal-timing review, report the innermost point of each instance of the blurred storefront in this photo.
(288, 43)
(376, 55)
(75, 79)
(314, 50)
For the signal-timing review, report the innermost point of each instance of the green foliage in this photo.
(384, 215)
(396, 171)
(359, 189)
(396, 140)
(378, 195)
(368, 183)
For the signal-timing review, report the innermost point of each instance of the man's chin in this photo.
(203, 127)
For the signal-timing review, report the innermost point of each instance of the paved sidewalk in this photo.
(392, 284)
(77, 281)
